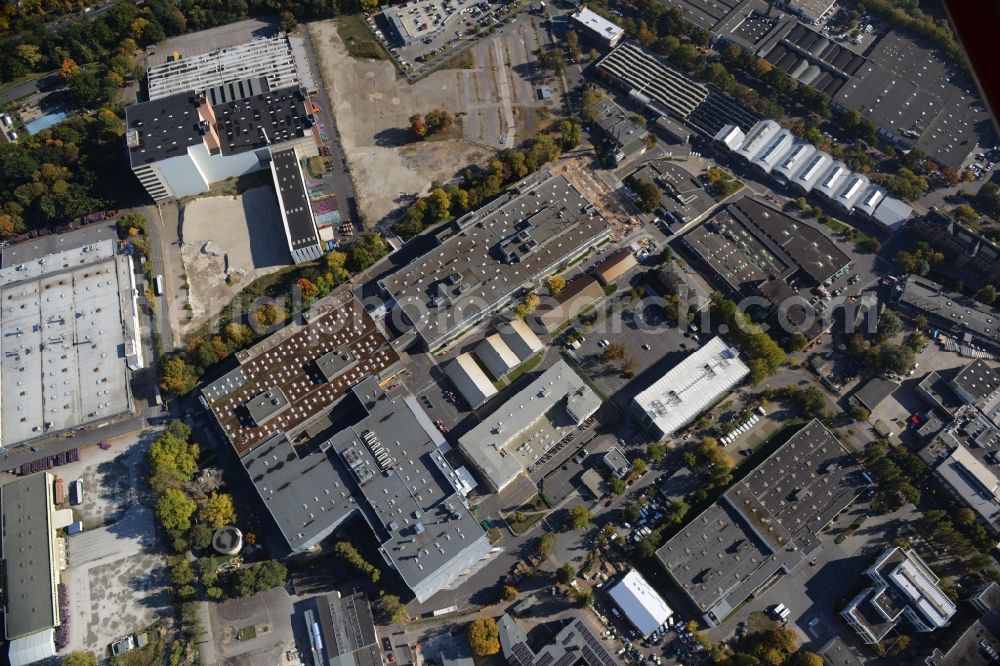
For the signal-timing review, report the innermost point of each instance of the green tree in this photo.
(655, 452)
(484, 637)
(174, 510)
(797, 341)
(566, 573)
(201, 536)
(350, 554)
(181, 571)
(555, 284)
(647, 194)
(859, 413)
(544, 545)
(391, 609)
(171, 453)
(509, 593)
(218, 510)
(365, 251)
(579, 517)
(176, 376)
(584, 598)
(617, 486)
(807, 659)
(987, 295)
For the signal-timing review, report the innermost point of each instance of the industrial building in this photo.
(269, 58)
(617, 132)
(903, 588)
(968, 320)
(616, 265)
(347, 628)
(33, 555)
(641, 605)
(765, 525)
(970, 256)
(323, 444)
(498, 358)
(520, 339)
(472, 383)
(574, 643)
(487, 256)
(597, 28)
(580, 293)
(180, 144)
(665, 91)
(754, 249)
(70, 334)
(791, 162)
(689, 388)
(515, 436)
(293, 201)
(683, 199)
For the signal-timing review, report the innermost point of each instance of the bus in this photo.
(158, 285)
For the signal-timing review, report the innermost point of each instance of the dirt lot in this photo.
(237, 235)
(372, 106)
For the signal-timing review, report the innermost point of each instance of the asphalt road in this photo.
(343, 185)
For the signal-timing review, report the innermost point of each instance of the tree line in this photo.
(181, 370)
(479, 186)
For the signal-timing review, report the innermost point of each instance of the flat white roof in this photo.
(643, 607)
(692, 385)
(922, 592)
(892, 212)
(598, 24)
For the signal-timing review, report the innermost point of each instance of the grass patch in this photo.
(522, 526)
(610, 289)
(759, 621)
(461, 60)
(359, 40)
(233, 186)
(527, 366)
(315, 165)
(246, 633)
(494, 534)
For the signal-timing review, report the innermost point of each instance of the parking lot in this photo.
(422, 35)
(116, 578)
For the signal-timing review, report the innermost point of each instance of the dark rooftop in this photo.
(874, 391)
(348, 630)
(978, 379)
(294, 200)
(168, 126)
(287, 360)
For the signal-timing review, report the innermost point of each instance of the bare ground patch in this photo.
(240, 237)
(372, 107)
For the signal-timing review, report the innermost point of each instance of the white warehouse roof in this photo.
(870, 199)
(640, 603)
(892, 212)
(829, 184)
(599, 25)
(850, 190)
(811, 171)
(778, 147)
(692, 385)
(520, 338)
(470, 380)
(794, 159)
(758, 138)
(496, 355)
(731, 135)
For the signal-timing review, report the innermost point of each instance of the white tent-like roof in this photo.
(32, 648)
(640, 603)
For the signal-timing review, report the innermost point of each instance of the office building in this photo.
(70, 335)
(597, 28)
(617, 132)
(487, 256)
(519, 432)
(575, 643)
(33, 555)
(765, 525)
(180, 144)
(970, 256)
(969, 321)
(903, 588)
(689, 388)
(347, 629)
(641, 605)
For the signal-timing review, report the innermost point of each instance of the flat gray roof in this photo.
(682, 197)
(348, 630)
(28, 556)
(521, 430)
(65, 325)
(764, 523)
(517, 238)
(574, 642)
(36, 248)
(874, 391)
(383, 461)
(949, 309)
(295, 207)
